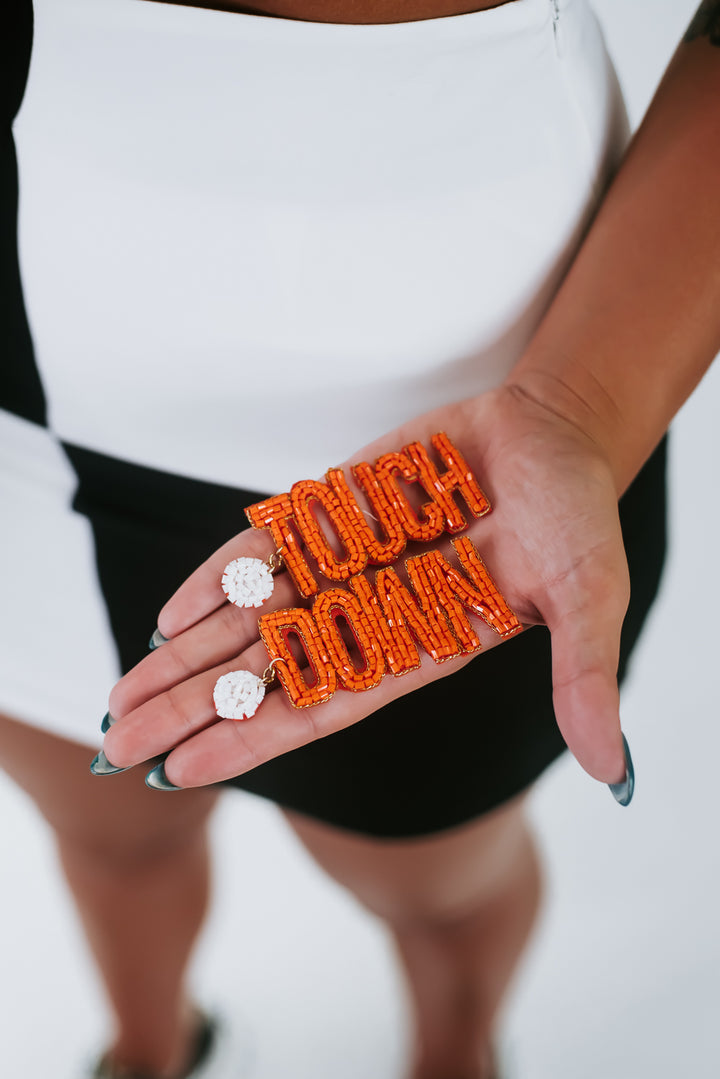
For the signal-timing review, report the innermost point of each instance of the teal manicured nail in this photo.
(157, 779)
(101, 766)
(156, 640)
(107, 722)
(622, 792)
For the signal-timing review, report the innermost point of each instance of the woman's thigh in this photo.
(430, 879)
(116, 816)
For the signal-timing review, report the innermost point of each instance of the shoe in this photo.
(217, 1055)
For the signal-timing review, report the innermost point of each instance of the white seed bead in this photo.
(238, 695)
(247, 582)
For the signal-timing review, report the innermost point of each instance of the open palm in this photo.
(552, 544)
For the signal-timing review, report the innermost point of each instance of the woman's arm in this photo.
(637, 320)
(629, 334)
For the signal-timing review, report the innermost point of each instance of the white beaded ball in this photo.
(247, 582)
(238, 695)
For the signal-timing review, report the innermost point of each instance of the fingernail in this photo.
(107, 722)
(156, 640)
(622, 792)
(101, 766)
(157, 779)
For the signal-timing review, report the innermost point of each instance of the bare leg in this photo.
(137, 864)
(461, 907)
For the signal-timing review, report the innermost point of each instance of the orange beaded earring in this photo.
(386, 622)
(275, 630)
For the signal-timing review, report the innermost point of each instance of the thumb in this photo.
(585, 631)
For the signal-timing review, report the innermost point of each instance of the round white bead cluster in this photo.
(238, 695)
(247, 582)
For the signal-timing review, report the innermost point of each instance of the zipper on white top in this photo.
(555, 4)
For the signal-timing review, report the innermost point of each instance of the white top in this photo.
(250, 245)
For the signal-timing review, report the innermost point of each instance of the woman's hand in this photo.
(631, 330)
(552, 544)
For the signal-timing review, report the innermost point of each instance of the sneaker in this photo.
(217, 1055)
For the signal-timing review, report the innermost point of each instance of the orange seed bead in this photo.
(275, 514)
(396, 641)
(379, 553)
(438, 599)
(480, 593)
(326, 608)
(302, 495)
(405, 611)
(424, 526)
(457, 477)
(275, 628)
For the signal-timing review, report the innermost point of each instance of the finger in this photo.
(175, 715)
(227, 749)
(585, 651)
(201, 593)
(184, 712)
(224, 634)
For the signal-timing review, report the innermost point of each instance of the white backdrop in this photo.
(622, 978)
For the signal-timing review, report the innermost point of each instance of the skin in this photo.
(623, 344)
(351, 11)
